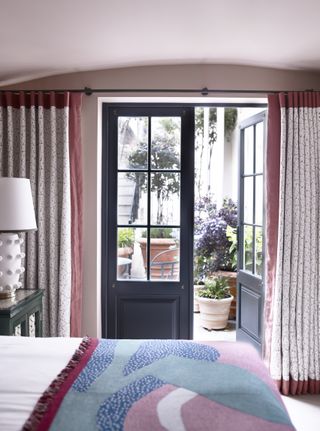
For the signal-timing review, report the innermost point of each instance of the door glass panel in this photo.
(248, 246)
(165, 142)
(259, 147)
(258, 251)
(248, 200)
(132, 197)
(165, 198)
(248, 150)
(164, 253)
(259, 200)
(132, 256)
(132, 142)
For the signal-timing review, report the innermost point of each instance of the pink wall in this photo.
(188, 76)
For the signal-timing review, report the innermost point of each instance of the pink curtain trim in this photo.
(299, 99)
(298, 387)
(272, 213)
(47, 100)
(76, 187)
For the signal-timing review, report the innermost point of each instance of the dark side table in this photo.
(22, 315)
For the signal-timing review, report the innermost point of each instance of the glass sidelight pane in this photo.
(259, 147)
(165, 198)
(258, 251)
(132, 197)
(164, 254)
(132, 257)
(165, 142)
(248, 150)
(132, 142)
(248, 200)
(259, 200)
(248, 246)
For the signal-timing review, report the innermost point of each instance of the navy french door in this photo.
(250, 289)
(147, 226)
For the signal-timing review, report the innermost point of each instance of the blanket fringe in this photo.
(47, 397)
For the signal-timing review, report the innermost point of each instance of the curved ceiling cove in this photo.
(42, 37)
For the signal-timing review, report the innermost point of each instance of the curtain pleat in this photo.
(295, 336)
(272, 169)
(76, 184)
(34, 133)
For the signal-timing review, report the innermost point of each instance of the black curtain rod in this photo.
(204, 91)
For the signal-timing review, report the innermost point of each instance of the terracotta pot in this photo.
(214, 312)
(232, 281)
(157, 246)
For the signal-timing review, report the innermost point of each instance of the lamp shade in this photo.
(16, 205)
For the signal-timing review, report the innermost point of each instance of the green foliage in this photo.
(199, 124)
(230, 120)
(215, 288)
(248, 242)
(158, 232)
(202, 266)
(125, 237)
(163, 156)
(231, 233)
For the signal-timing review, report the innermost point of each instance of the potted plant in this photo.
(215, 301)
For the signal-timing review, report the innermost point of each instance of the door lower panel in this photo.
(250, 306)
(147, 317)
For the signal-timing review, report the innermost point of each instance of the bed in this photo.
(66, 384)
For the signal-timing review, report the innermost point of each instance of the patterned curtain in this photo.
(293, 300)
(35, 143)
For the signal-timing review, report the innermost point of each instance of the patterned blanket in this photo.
(174, 385)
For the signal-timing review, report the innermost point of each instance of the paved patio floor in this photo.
(200, 333)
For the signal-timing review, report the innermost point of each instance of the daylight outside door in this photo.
(250, 229)
(147, 221)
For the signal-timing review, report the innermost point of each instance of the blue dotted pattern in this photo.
(112, 413)
(99, 361)
(153, 350)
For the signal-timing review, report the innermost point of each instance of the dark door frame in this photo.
(106, 108)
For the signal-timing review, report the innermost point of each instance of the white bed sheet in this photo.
(27, 367)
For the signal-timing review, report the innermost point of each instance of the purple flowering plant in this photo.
(213, 249)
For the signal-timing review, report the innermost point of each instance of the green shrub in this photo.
(125, 237)
(215, 288)
(158, 232)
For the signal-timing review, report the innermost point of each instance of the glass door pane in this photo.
(165, 143)
(148, 197)
(132, 142)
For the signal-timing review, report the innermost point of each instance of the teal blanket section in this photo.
(226, 384)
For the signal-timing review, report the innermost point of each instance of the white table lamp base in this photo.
(10, 264)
